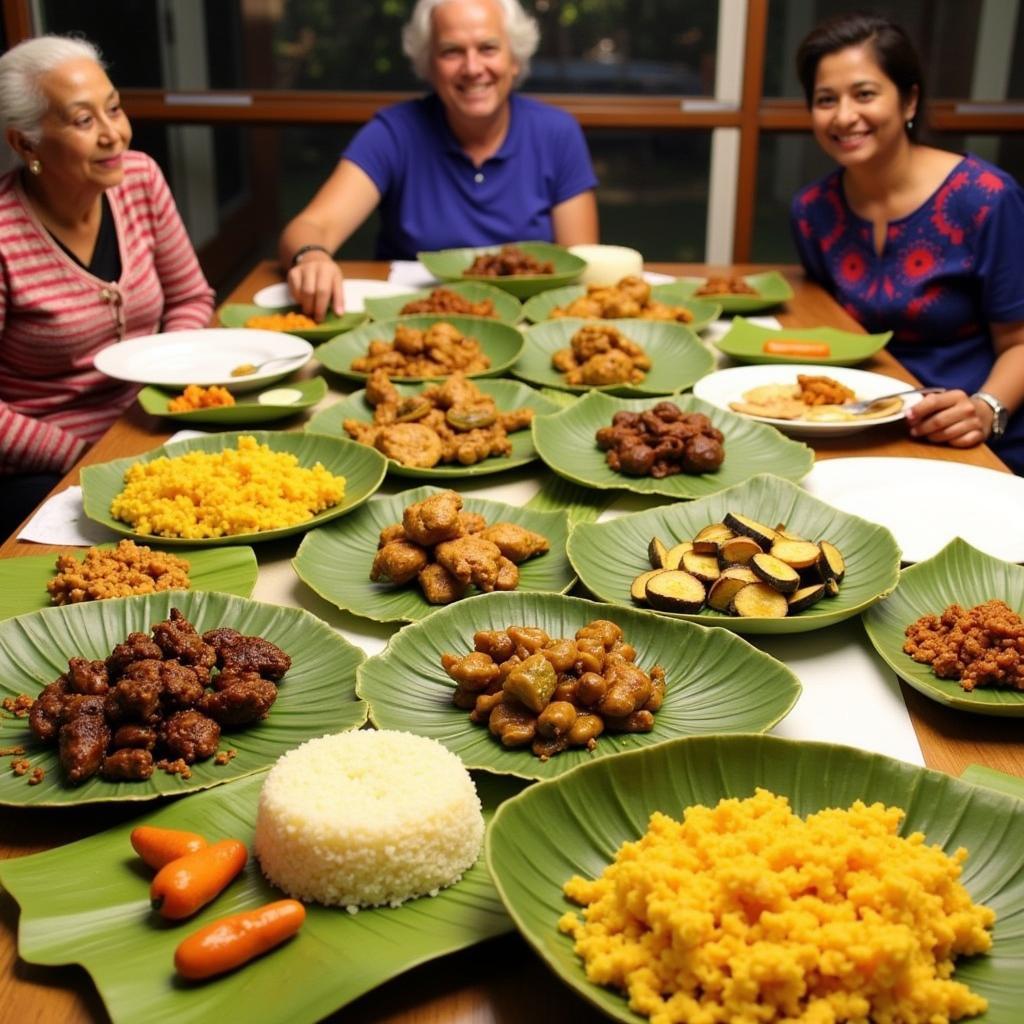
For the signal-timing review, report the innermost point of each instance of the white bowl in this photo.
(608, 264)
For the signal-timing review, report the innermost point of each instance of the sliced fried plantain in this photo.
(805, 597)
(656, 552)
(760, 601)
(717, 532)
(831, 588)
(831, 564)
(738, 551)
(782, 577)
(740, 572)
(675, 591)
(724, 589)
(747, 527)
(704, 567)
(800, 554)
(637, 590)
(674, 557)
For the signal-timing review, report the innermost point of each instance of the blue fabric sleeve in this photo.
(575, 171)
(807, 248)
(1000, 258)
(373, 149)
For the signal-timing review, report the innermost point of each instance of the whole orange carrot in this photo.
(190, 882)
(159, 846)
(233, 941)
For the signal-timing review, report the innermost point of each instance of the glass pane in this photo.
(619, 46)
(786, 162)
(968, 50)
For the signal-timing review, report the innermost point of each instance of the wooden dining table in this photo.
(500, 980)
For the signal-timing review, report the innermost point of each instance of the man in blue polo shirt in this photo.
(470, 164)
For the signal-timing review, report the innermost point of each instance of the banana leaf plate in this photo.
(958, 574)
(507, 308)
(236, 315)
(608, 556)
(452, 264)
(565, 441)
(678, 357)
(745, 343)
(276, 403)
(315, 696)
(335, 562)
(500, 342)
(703, 311)
(508, 394)
(771, 287)
(107, 927)
(715, 681)
(230, 570)
(588, 814)
(982, 775)
(362, 467)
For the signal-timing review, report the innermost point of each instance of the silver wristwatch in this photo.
(999, 413)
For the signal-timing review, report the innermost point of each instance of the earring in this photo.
(35, 167)
(910, 125)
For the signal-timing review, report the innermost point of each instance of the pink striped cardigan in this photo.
(55, 316)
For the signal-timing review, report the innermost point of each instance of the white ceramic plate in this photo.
(205, 357)
(356, 289)
(727, 386)
(928, 502)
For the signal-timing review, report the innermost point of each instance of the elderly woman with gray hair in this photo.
(471, 163)
(92, 251)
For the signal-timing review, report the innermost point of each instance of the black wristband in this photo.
(303, 249)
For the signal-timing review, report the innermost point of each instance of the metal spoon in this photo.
(867, 403)
(258, 367)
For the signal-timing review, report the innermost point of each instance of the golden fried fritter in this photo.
(411, 444)
(471, 559)
(434, 519)
(398, 562)
(516, 542)
(439, 586)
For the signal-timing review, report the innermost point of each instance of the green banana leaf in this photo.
(452, 264)
(608, 556)
(745, 343)
(703, 311)
(771, 287)
(363, 469)
(336, 562)
(678, 357)
(247, 408)
(507, 307)
(566, 442)
(575, 824)
(106, 924)
(236, 315)
(315, 696)
(507, 394)
(958, 574)
(500, 342)
(982, 775)
(715, 681)
(231, 570)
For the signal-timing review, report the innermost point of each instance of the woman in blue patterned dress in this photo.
(920, 241)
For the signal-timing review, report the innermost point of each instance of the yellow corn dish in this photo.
(205, 494)
(745, 913)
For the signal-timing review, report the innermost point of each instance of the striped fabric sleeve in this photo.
(188, 299)
(29, 445)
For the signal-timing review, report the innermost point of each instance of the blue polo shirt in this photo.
(432, 195)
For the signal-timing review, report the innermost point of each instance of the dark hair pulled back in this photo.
(889, 43)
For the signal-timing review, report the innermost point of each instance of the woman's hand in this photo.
(950, 417)
(316, 283)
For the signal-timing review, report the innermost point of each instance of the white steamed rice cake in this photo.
(367, 818)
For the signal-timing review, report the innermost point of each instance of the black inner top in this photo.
(106, 257)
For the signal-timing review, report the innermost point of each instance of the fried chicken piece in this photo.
(614, 367)
(457, 390)
(516, 542)
(508, 575)
(83, 742)
(44, 717)
(398, 562)
(380, 391)
(594, 339)
(248, 699)
(434, 519)
(177, 638)
(636, 288)
(88, 676)
(472, 522)
(77, 704)
(411, 444)
(181, 686)
(390, 533)
(516, 419)
(470, 559)
(135, 700)
(142, 737)
(128, 764)
(364, 433)
(236, 652)
(136, 647)
(190, 735)
(439, 586)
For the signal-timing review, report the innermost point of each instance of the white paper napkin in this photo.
(411, 273)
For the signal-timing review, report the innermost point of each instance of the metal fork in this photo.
(864, 404)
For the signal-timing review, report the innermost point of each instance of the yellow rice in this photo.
(747, 914)
(205, 494)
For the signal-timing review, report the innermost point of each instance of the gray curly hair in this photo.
(521, 28)
(22, 102)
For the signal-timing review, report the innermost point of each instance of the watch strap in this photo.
(999, 414)
(303, 249)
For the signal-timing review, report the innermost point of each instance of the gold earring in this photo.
(35, 167)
